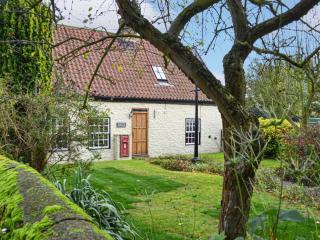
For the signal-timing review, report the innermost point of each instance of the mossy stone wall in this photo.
(32, 208)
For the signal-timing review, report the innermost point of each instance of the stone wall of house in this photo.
(166, 132)
(166, 128)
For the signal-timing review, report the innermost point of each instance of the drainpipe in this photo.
(196, 130)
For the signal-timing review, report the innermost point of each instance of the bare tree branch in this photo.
(187, 13)
(286, 57)
(294, 14)
(239, 19)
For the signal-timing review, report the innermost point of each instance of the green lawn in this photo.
(179, 205)
(219, 157)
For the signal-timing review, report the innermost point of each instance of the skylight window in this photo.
(158, 71)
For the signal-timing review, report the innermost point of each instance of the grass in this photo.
(219, 157)
(124, 186)
(168, 205)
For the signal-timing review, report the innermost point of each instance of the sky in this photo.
(104, 14)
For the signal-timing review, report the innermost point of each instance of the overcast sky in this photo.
(104, 13)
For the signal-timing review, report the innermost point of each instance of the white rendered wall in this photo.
(166, 127)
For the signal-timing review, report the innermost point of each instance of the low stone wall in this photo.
(32, 208)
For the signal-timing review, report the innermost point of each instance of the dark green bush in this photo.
(273, 148)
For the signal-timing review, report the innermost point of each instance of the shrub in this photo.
(200, 167)
(173, 157)
(301, 155)
(33, 127)
(99, 205)
(273, 131)
(212, 167)
(184, 164)
(176, 165)
(300, 194)
(268, 180)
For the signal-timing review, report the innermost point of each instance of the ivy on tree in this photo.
(25, 49)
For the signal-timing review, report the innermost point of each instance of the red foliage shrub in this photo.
(301, 154)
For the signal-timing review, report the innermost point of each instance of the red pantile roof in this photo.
(128, 67)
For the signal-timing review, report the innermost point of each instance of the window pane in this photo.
(99, 132)
(60, 133)
(190, 130)
(158, 71)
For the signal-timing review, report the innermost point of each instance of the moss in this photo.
(10, 202)
(10, 198)
(77, 230)
(53, 209)
(37, 231)
(102, 232)
(67, 201)
(20, 186)
(46, 182)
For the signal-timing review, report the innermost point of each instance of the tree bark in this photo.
(39, 157)
(237, 181)
(236, 194)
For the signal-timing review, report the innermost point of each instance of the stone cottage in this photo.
(150, 102)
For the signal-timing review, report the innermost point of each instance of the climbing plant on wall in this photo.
(25, 50)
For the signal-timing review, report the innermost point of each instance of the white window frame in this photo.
(57, 125)
(190, 124)
(158, 71)
(100, 134)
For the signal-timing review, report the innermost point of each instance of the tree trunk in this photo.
(237, 183)
(236, 195)
(39, 157)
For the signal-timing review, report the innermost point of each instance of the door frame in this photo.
(141, 110)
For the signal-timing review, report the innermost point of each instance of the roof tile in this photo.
(128, 66)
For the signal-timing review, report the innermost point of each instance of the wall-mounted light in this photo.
(130, 114)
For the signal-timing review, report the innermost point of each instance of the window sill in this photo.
(164, 84)
(60, 150)
(98, 148)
